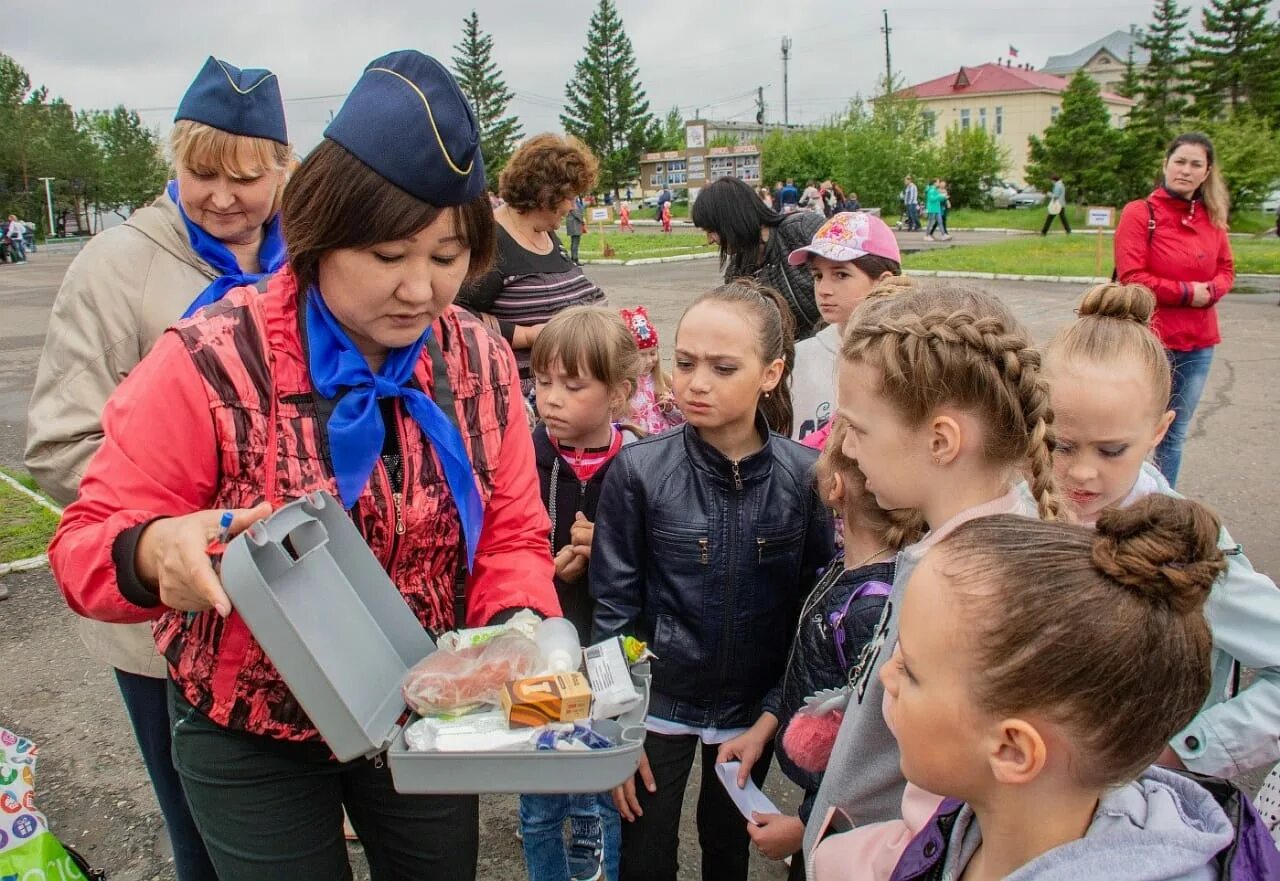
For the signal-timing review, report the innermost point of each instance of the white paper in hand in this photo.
(748, 799)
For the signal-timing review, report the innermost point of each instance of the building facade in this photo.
(1012, 103)
(1103, 60)
(698, 164)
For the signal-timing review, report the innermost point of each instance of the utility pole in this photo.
(888, 65)
(48, 199)
(786, 59)
(760, 110)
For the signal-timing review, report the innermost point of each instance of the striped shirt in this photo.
(525, 288)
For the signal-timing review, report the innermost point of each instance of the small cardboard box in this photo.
(538, 700)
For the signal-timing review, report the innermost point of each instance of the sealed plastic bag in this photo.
(27, 848)
(449, 681)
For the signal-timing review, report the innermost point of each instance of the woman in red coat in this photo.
(328, 380)
(1175, 243)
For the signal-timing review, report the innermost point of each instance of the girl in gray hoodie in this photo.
(1036, 713)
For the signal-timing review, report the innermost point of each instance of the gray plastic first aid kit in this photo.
(335, 626)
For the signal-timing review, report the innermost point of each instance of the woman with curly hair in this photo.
(533, 277)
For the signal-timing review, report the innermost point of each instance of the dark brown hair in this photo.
(938, 343)
(1114, 325)
(545, 170)
(776, 336)
(1102, 632)
(335, 201)
(896, 529)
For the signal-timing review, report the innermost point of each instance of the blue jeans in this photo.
(913, 217)
(147, 703)
(594, 818)
(1190, 371)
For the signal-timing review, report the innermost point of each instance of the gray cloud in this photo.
(697, 54)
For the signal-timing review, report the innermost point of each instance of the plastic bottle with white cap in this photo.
(558, 644)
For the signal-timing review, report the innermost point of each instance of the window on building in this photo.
(999, 120)
(1053, 112)
(721, 166)
(930, 123)
(964, 120)
(982, 118)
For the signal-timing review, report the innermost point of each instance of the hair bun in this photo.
(1163, 549)
(1126, 302)
(891, 287)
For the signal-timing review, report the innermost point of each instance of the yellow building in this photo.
(1012, 103)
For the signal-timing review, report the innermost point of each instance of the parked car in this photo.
(1001, 193)
(1271, 204)
(1028, 197)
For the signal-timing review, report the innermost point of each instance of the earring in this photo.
(937, 460)
(768, 394)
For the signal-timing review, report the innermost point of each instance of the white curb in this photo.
(31, 562)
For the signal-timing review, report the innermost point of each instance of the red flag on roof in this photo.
(1013, 53)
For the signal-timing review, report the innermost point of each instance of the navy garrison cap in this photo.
(407, 119)
(243, 102)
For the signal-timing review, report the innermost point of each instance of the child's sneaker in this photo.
(585, 862)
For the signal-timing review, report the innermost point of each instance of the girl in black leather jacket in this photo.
(838, 619)
(706, 542)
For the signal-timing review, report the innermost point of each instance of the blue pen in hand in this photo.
(224, 527)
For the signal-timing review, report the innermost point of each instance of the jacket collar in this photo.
(1163, 192)
(708, 459)
(161, 222)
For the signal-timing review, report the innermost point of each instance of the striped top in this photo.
(525, 288)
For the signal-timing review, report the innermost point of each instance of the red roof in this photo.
(986, 79)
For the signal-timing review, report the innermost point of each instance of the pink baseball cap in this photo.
(848, 236)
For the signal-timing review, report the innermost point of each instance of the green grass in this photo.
(1250, 221)
(632, 246)
(25, 527)
(1075, 255)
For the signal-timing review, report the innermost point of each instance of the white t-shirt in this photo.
(813, 385)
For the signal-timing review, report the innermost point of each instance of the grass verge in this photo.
(1069, 255)
(1249, 221)
(633, 246)
(26, 527)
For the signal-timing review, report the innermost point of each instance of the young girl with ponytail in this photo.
(1109, 384)
(1068, 659)
(947, 410)
(707, 540)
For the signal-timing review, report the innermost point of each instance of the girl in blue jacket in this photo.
(707, 539)
(1109, 384)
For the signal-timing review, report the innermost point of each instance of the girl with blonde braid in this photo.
(947, 410)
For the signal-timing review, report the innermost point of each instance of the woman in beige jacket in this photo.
(215, 227)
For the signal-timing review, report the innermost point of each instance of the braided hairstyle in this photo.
(937, 344)
(776, 335)
(1100, 631)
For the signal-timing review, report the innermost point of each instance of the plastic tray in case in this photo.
(342, 637)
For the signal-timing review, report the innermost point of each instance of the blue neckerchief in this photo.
(356, 431)
(271, 255)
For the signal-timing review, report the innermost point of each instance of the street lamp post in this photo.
(48, 200)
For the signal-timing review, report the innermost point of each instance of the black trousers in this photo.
(574, 242)
(650, 845)
(270, 810)
(1049, 218)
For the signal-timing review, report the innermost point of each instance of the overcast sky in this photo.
(697, 54)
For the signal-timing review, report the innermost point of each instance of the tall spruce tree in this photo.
(1080, 145)
(605, 104)
(482, 83)
(1130, 84)
(1161, 103)
(1232, 60)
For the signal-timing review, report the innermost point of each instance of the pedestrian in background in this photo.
(1057, 206)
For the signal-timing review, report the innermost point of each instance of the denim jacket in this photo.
(708, 560)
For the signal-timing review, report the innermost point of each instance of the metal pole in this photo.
(48, 199)
(888, 65)
(786, 58)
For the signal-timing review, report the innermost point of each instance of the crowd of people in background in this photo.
(867, 524)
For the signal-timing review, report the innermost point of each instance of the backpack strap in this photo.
(1151, 220)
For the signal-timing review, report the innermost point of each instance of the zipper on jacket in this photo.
(737, 476)
(397, 500)
(704, 545)
(760, 543)
(397, 497)
(735, 503)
